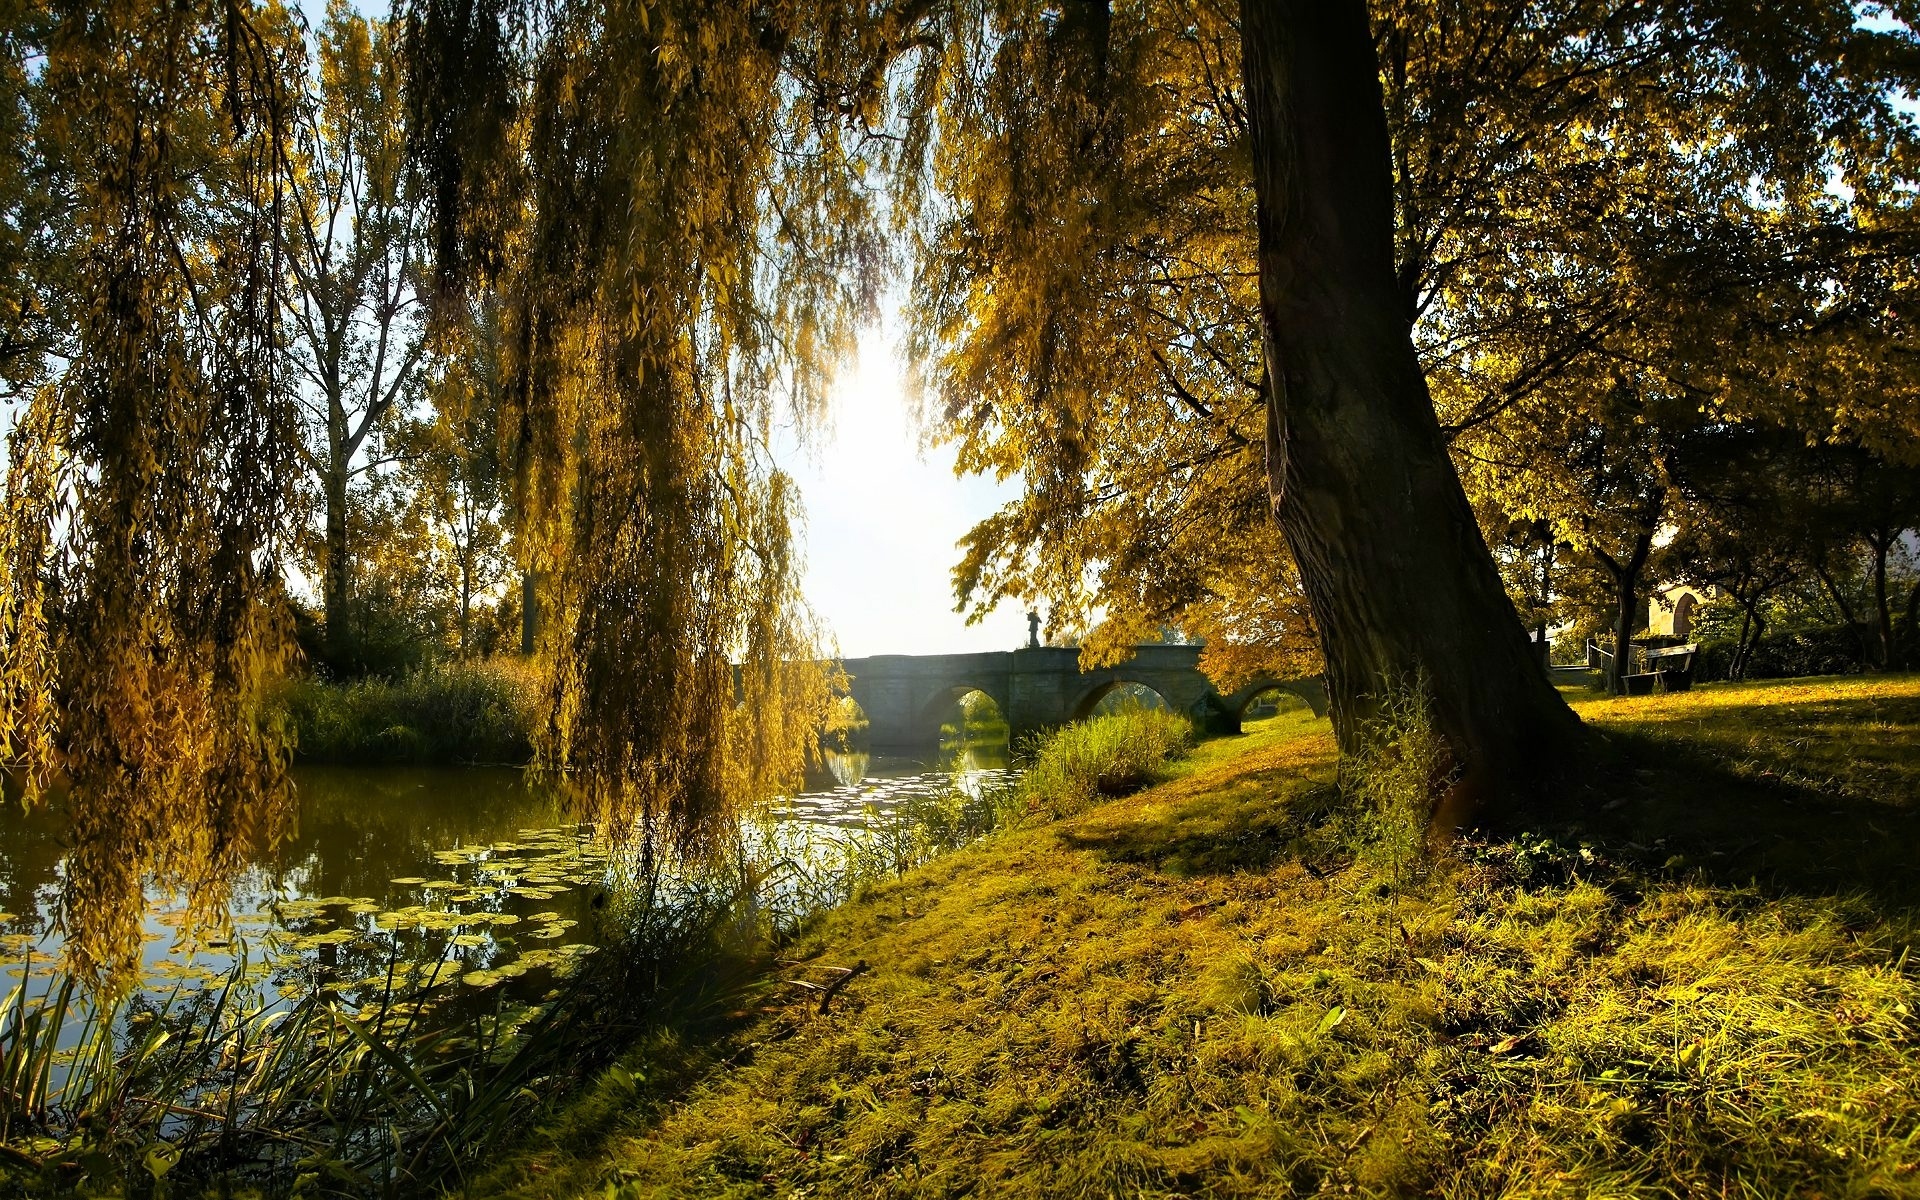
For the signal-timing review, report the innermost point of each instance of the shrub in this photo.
(1817, 650)
(1395, 779)
(1109, 755)
(462, 712)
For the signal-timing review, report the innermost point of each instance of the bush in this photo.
(1817, 650)
(1108, 755)
(463, 712)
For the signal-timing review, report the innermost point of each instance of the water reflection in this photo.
(372, 849)
(854, 781)
(364, 838)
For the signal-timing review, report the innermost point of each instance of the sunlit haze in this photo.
(884, 518)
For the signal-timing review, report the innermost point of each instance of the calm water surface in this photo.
(489, 876)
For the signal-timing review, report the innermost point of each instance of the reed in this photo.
(1110, 755)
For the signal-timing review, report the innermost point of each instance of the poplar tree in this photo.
(355, 251)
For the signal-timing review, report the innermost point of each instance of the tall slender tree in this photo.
(356, 248)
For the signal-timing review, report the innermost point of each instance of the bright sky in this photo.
(883, 520)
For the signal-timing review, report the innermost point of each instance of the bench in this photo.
(1669, 669)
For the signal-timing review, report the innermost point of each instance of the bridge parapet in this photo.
(905, 696)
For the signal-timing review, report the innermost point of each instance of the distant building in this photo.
(1671, 609)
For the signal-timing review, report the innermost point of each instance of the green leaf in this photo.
(160, 1157)
(1334, 1016)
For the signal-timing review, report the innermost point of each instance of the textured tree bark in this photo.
(336, 584)
(1399, 576)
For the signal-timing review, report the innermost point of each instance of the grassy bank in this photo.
(1697, 982)
(385, 1056)
(457, 713)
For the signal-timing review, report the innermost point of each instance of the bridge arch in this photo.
(1091, 698)
(946, 697)
(905, 697)
(1310, 690)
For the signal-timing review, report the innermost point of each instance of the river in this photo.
(496, 870)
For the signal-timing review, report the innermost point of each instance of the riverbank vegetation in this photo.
(360, 345)
(1109, 755)
(362, 1051)
(1696, 977)
(457, 712)
(365, 337)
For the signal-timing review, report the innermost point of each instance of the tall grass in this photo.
(1107, 756)
(1395, 781)
(461, 712)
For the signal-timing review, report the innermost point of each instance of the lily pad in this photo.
(441, 973)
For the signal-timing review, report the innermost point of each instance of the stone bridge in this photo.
(907, 696)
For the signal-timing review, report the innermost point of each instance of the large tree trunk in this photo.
(1399, 576)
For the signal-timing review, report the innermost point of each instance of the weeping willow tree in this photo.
(673, 206)
(142, 611)
(677, 210)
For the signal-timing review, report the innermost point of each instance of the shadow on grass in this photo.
(1680, 806)
(1248, 822)
(1761, 796)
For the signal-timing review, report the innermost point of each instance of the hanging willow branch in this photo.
(685, 244)
(142, 613)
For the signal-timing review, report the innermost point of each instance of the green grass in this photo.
(1694, 981)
